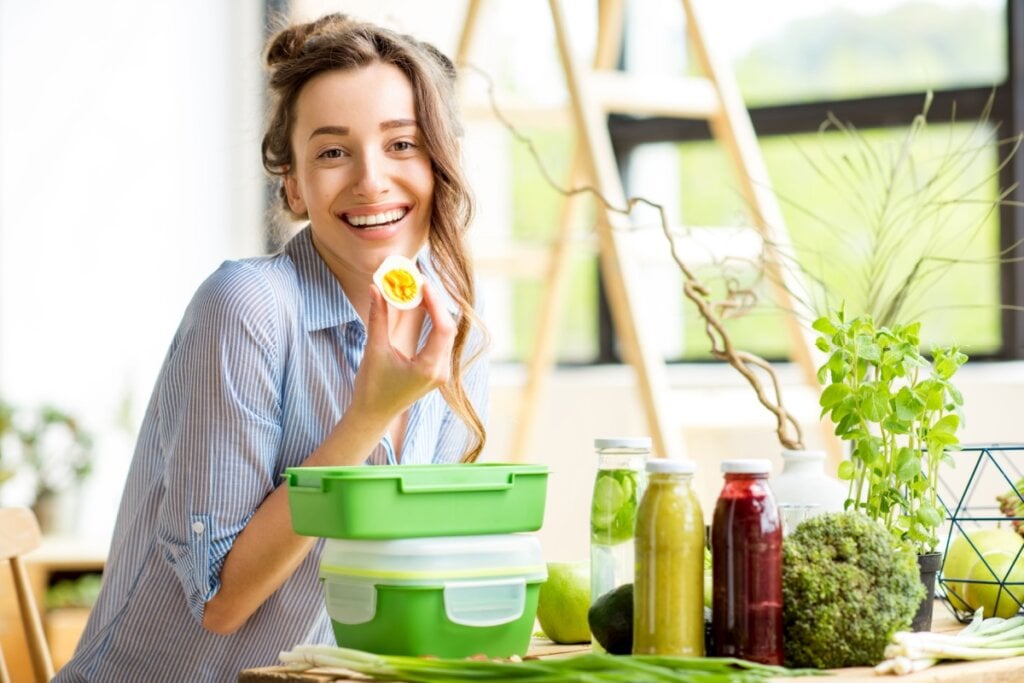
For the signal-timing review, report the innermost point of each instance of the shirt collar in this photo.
(325, 302)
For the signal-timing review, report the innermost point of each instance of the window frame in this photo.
(627, 133)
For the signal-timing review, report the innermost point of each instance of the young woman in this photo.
(296, 359)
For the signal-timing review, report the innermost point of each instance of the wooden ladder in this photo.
(594, 93)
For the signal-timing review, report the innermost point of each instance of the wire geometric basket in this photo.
(968, 493)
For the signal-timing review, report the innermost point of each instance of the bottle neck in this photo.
(621, 460)
(668, 478)
(746, 476)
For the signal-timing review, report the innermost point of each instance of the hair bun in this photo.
(289, 42)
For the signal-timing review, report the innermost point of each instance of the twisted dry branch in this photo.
(711, 310)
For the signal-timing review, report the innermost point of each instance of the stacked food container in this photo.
(427, 559)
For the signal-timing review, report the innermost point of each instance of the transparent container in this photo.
(746, 550)
(445, 596)
(668, 594)
(618, 487)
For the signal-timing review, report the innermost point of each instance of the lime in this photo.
(563, 602)
(609, 495)
(613, 509)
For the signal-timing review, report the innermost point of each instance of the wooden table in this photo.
(995, 671)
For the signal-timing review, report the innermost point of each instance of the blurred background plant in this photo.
(904, 213)
(45, 453)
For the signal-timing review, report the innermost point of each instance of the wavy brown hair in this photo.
(296, 54)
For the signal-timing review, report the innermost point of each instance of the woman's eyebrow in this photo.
(398, 123)
(343, 130)
(329, 130)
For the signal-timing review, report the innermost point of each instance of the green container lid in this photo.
(412, 501)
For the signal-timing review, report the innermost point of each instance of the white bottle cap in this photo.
(671, 466)
(747, 466)
(629, 442)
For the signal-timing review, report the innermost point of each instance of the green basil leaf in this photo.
(833, 394)
(846, 470)
(909, 405)
(908, 464)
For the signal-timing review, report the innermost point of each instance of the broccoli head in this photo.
(847, 587)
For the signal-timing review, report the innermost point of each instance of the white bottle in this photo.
(803, 483)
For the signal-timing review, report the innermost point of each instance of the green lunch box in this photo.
(413, 501)
(446, 597)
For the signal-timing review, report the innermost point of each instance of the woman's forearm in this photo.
(267, 551)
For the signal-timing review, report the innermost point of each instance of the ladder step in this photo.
(653, 95)
(526, 261)
(697, 246)
(521, 113)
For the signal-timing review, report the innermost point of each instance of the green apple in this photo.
(961, 558)
(563, 602)
(994, 595)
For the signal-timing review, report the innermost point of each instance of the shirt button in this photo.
(198, 527)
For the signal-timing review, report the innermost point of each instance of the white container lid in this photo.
(671, 466)
(747, 466)
(435, 560)
(625, 442)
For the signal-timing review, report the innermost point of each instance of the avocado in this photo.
(611, 620)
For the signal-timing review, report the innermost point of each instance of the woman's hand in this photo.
(388, 380)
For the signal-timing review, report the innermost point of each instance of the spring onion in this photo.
(585, 668)
(993, 638)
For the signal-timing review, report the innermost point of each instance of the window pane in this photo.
(805, 51)
(833, 220)
(810, 50)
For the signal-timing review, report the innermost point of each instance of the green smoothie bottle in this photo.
(668, 593)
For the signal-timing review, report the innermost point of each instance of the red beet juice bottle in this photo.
(746, 558)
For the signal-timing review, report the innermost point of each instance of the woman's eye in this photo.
(330, 154)
(404, 146)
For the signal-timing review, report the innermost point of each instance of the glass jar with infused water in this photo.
(618, 487)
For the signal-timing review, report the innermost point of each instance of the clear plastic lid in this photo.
(671, 466)
(625, 443)
(427, 561)
(747, 466)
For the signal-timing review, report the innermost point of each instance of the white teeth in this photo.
(376, 218)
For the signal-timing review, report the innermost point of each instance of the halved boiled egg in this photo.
(400, 281)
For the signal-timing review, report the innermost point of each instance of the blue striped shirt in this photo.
(259, 371)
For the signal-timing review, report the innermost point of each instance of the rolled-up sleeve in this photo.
(221, 427)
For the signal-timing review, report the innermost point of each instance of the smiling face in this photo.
(361, 171)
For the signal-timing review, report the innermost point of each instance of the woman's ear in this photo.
(291, 190)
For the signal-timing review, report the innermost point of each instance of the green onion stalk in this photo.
(993, 638)
(584, 668)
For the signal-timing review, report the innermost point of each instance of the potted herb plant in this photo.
(900, 413)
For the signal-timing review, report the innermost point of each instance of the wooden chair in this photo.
(19, 534)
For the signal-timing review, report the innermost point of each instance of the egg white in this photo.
(398, 262)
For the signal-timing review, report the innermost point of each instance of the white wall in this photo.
(129, 168)
(719, 419)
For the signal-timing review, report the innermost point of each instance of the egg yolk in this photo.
(400, 285)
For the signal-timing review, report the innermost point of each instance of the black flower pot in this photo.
(929, 563)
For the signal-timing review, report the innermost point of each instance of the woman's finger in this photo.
(438, 346)
(377, 325)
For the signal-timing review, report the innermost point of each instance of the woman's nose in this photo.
(370, 180)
